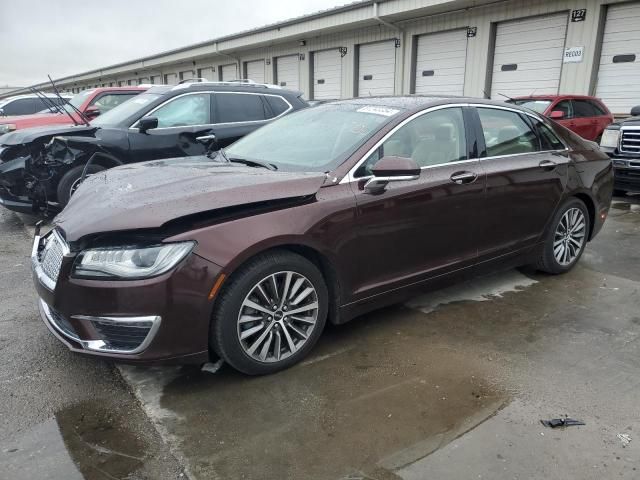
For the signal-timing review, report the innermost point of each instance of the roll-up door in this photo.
(376, 68)
(186, 75)
(170, 78)
(440, 63)
(206, 72)
(228, 72)
(287, 72)
(254, 71)
(528, 56)
(327, 74)
(619, 72)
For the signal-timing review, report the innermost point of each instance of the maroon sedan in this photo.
(321, 216)
(586, 116)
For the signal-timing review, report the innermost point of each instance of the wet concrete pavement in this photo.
(62, 416)
(450, 385)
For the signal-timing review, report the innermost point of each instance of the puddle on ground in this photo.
(384, 400)
(87, 441)
(479, 290)
(378, 393)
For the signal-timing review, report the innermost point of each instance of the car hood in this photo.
(150, 194)
(27, 135)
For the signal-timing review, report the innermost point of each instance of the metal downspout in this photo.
(402, 36)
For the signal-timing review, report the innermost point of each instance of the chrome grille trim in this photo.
(630, 140)
(46, 256)
(61, 325)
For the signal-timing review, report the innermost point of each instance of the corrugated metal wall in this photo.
(323, 33)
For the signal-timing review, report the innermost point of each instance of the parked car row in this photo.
(621, 140)
(28, 105)
(319, 216)
(41, 168)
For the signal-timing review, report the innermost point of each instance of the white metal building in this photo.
(483, 48)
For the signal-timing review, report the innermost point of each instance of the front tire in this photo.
(70, 181)
(566, 239)
(270, 314)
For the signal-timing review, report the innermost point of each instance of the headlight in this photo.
(7, 127)
(130, 262)
(610, 138)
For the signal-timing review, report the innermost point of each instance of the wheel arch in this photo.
(104, 159)
(315, 256)
(591, 208)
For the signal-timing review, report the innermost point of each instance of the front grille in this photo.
(630, 141)
(123, 337)
(51, 255)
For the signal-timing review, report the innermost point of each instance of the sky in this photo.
(64, 37)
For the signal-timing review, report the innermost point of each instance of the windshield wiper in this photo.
(252, 163)
(244, 161)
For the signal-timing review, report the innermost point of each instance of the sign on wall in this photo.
(573, 54)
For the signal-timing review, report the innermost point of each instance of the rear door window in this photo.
(506, 133)
(278, 105)
(21, 106)
(583, 108)
(239, 107)
(598, 109)
(548, 139)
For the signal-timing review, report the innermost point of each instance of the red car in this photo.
(90, 102)
(587, 116)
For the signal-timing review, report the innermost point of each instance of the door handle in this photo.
(547, 165)
(206, 138)
(461, 178)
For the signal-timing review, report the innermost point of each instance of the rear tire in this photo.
(70, 181)
(273, 337)
(567, 238)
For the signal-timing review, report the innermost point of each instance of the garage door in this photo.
(287, 72)
(206, 72)
(254, 71)
(228, 72)
(327, 74)
(440, 63)
(619, 73)
(528, 56)
(376, 68)
(186, 75)
(170, 78)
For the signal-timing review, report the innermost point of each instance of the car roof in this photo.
(555, 97)
(33, 95)
(224, 87)
(416, 102)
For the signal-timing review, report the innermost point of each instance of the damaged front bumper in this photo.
(13, 194)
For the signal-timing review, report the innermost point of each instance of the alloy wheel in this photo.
(277, 317)
(569, 237)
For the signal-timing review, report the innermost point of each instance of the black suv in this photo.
(621, 140)
(40, 168)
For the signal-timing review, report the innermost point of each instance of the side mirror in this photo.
(635, 111)
(2, 114)
(147, 123)
(92, 111)
(391, 169)
(557, 115)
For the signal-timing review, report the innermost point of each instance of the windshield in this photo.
(538, 105)
(316, 139)
(125, 110)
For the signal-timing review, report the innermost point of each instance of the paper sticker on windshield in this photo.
(140, 100)
(384, 111)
